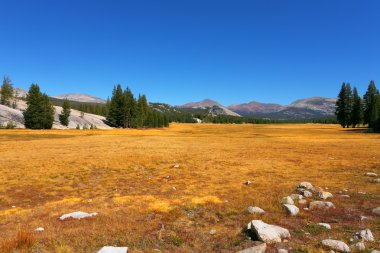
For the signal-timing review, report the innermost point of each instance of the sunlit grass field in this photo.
(127, 176)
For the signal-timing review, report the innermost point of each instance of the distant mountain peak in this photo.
(78, 97)
(213, 106)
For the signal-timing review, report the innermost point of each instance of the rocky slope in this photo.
(81, 98)
(214, 107)
(8, 114)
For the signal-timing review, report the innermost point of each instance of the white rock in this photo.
(176, 166)
(248, 182)
(291, 209)
(326, 225)
(370, 174)
(266, 232)
(363, 193)
(77, 215)
(110, 249)
(287, 200)
(376, 210)
(212, 231)
(282, 251)
(344, 196)
(375, 251)
(307, 194)
(366, 235)
(305, 185)
(296, 196)
(261, 248)
(255, 209)
(39, 229)
(324, 195)
(302, 201)
(306, 209)
(363, 217)
(336, 245)
(376, 180)
(358, 247)
(321, 205)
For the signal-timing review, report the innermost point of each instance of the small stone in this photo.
(321, 205)
(176, 166)
(282, 251)
(370, 174)
(376, 210)
(344, 196)
(255, 209)
(307, 194)
(305, 185)
(77, 215)
(358, 247)
(375, 251)
(302, 201)
(248, 182)
(335, 245)
(287, 200)
(306, 209)
(260, 248)
(174, 188)
(291, 209)
(366, 235)
(39, 229)
(363, 217)
(212, 231)
(376, 180)
(266, 232)
(13, 206)
(326, 225)
(324, 195)
(110, 249)
(296, 196)
(363, 193)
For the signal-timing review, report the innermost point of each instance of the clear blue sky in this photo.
(186, 50)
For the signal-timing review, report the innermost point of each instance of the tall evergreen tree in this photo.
(142, 111)
(116, 107)
(40, 111)
(370, 105)
(6, 93)
(343, 105)
(357, 112)
(129, 112)
(65, 114)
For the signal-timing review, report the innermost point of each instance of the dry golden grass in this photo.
(127, 176)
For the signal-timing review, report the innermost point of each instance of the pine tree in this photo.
(6, 93)
(116, 107)
(130, 109)
(369, 104)
(142, 111)
(343, 106)
(357, 112)
(66, 110)
(40, 111)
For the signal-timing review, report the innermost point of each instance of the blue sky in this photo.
(180, 51)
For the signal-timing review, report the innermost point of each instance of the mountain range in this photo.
(307, 108)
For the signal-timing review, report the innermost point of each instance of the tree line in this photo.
(125, 111)
(352, 110)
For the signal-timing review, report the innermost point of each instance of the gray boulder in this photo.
(366, 235)
(291, 209)
(266, 232)
(296, 196)
(255, 209)
(324, 195)
(305, 185)
(335, 245)
(260, 248)
(358, 247)
(287, 200)
(320, 205)
(376, 210)
(110, 249)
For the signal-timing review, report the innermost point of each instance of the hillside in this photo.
(8, 114)
(81, 98)
(212, 106)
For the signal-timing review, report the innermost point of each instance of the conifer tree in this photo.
(66, 110)
(6, 93)
(370, 105)
(40, 111)
(129, 111)
(344, 105)
(116, 107)
(357, 112)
